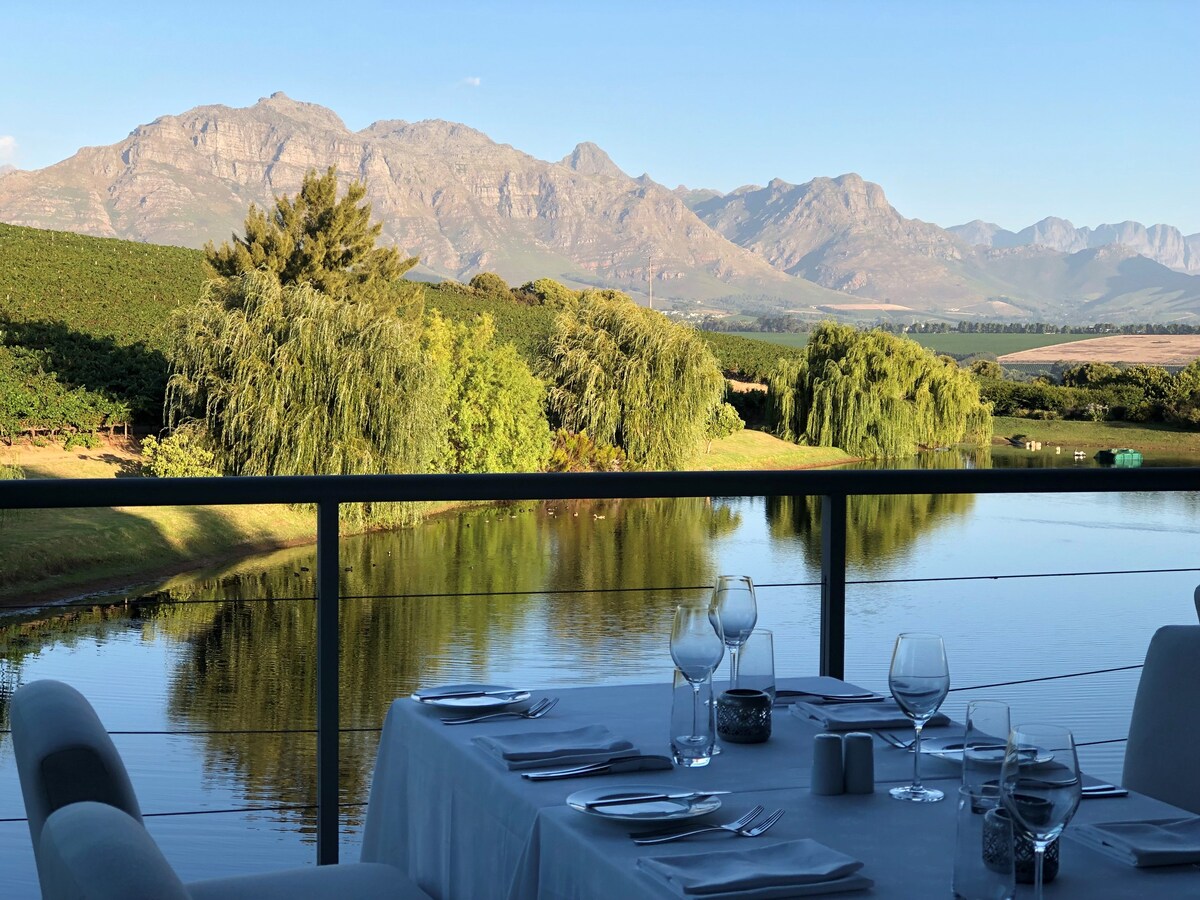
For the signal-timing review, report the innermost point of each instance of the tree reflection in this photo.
(879, 527)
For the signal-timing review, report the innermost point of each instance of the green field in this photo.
(953, 343)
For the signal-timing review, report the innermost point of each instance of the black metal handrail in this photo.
(328, 492)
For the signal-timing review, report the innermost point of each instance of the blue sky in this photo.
(1005, 111)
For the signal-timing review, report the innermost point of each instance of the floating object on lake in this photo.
(1122, 456)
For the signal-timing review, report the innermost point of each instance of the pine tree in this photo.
(319, 240)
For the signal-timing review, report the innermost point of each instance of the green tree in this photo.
(723, 421)
(489, 284)
(290, 381)
(495, 407)
(629, 377)
(182, 455)
(551, 293)
(1183, 400)
(874, 395)
(322, 241)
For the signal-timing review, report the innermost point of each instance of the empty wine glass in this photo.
(1041, 796)
(734, 612)
(697, 646)
(919, 680)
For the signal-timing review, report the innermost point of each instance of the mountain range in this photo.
(464, 204)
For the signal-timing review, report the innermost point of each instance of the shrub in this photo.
(182, 455)
(576, 452)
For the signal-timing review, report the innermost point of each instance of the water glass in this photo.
(756, 668)
(984, 742)
(983, 850)
(693, 721)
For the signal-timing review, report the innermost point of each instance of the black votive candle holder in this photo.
(744, 716)
(1022, 850)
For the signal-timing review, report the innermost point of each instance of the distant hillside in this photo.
(106, 288)
(463, 204)
(1164, 244)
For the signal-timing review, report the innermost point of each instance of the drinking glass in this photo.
(693, 722)
(756, 667)
(734, 611)
(919, 679)
(697, 646)
(1041, 797)
(983, 854)
(984, 742)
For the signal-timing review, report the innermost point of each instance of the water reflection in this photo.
(879, 528)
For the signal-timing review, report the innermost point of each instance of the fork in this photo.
(893, 740)
(536, 711)
(736, 826)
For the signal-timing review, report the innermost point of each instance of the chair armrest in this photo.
(92, 851)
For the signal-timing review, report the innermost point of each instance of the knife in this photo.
(616, 764)
(465, 695)
(651, 798)
(814, 696)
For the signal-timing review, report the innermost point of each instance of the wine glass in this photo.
(697, 646)
(919, 680)
(1041, 797)
(733, 612)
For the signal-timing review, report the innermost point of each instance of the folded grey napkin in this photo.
(593, 743)
(858, 716)
(789, 869)
(1157, 842)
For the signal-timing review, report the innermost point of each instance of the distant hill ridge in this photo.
(461, 202)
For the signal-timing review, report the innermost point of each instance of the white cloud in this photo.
(8, 148)
(472, 81)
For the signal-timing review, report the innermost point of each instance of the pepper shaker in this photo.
(827, 773)
(859, 763)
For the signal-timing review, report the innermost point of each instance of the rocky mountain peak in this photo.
(307, 114)
(588, 159)
(6, 169)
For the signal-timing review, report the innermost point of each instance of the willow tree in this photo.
(629, 377)
(874, 395)
(288, 380)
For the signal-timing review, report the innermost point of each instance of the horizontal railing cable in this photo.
(445, 595)
(980, 687)
(349, 804)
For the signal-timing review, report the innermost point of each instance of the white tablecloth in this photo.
(465, 828)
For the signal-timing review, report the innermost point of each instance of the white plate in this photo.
(650, 811)
(430, 696)
(951, 748)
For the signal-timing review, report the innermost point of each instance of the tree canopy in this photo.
(629, 377)
(291, 381)
(874, 395)
(319, 240)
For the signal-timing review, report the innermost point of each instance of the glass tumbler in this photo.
(693, 722)
(983, 850)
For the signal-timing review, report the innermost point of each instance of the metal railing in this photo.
(329, 492)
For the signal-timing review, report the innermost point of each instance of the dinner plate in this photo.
(649, 811)
(951, 748)
(434, 696)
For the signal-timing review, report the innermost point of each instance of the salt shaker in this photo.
(827, 771)
(859, 763)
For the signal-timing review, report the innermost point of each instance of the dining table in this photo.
(463, 825)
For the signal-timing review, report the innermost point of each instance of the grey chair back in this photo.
(1162, 757)
(64, 756)
(1196, 598)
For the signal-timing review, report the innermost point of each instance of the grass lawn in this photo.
(55, 553)
(1099, 435)
(759, 450)
(49, 554)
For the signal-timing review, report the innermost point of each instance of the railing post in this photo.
(328, 590)
(833, 585)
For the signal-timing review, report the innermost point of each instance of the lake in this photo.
(584, 592)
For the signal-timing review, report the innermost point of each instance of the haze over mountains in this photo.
(464, 204)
